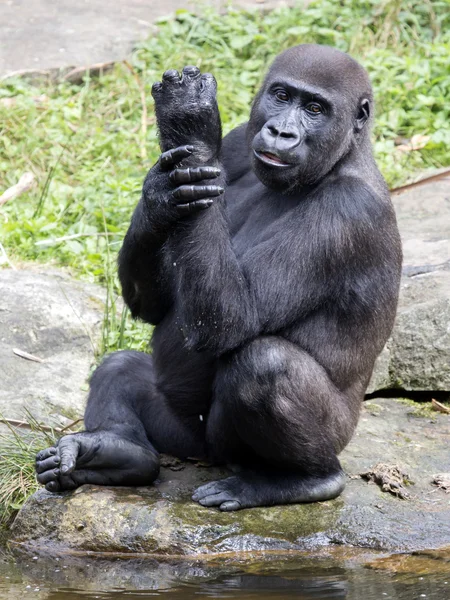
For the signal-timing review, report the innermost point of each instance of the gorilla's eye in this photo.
(281, 95)
(314, 108)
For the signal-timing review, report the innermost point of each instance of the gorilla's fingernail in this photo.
(64, 469)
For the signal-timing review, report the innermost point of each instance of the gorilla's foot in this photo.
(101, 458)
(251, 489)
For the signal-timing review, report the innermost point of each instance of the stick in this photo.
(436, 177)
(25, 425)
(27, 356)
(23, 185)
(440, 407)
(74, 236)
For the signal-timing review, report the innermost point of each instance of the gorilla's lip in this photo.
(269, 158)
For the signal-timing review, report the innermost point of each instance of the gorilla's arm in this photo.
(145, 288)
(213, 295)
(145, 282)
(224, 304)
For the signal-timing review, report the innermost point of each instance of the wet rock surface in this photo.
(417, 357)
(162, 520)
(57, 320)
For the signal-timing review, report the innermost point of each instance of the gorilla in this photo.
(269, 263)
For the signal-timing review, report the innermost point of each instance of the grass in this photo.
(17, 454)
(90, 145)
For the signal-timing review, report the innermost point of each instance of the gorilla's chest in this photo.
(255, 214)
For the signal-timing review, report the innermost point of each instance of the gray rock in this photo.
(48, 37)
(57, 319)
(417, 357)
(162, 520)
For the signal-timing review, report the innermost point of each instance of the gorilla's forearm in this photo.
(145, 288)
(213, 297)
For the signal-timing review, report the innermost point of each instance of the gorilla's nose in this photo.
(283, 136)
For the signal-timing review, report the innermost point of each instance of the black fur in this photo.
(271, 301)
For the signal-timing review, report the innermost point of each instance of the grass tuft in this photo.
(18, 451)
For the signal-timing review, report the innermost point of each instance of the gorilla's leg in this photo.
(276, 412)
(127, 423)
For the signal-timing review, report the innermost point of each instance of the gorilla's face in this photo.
(299, 128)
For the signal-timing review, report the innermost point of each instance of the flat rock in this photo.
(57, 320)
(50, 36)
(162, 520)
(417, 356)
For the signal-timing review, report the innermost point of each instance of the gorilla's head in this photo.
(314, 105)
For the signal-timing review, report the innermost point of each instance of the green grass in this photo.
(18, 450)
(91, 145)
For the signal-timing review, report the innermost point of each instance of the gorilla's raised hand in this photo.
(187, 113)
(190, 138)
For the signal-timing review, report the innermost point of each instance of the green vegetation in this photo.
(91, 145)
(17, 476)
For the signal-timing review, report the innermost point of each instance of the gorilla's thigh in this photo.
(276, 406)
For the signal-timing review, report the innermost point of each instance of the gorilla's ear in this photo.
(363, 114)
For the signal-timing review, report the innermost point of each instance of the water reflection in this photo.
(300, 578)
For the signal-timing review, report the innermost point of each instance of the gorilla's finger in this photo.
(192, 174)
(67, 482)
(69, 448)
(207, 80)
(188, 193)
(184, 210)
(48, 476)
(43, 454)
(215, 499)
(191, 71)
(230, 505)
(156, 87)
(53, 486)
(49, 463)
(206, 490)
(170, 158)
(171, 75)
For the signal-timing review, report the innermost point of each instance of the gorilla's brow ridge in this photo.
(306, 89)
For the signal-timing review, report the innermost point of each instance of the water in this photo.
(302, 578)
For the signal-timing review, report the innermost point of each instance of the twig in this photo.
(25, 425)
(27, 356)
(440, 407)
(74, 236)
(3, 251)
(22, 186)
(144, 109)
(409, 186)
(70, 425)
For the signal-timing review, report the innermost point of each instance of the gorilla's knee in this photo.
(125, 363)
(253, 372)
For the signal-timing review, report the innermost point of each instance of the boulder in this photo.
(58, 321)
(417, 356)
(162, 520)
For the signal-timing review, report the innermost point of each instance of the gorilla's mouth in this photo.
(271, 159)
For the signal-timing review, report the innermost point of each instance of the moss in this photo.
(373, 408)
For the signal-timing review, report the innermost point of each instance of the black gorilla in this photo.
(270, 264)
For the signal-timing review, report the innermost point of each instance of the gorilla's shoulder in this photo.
(235, 153)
